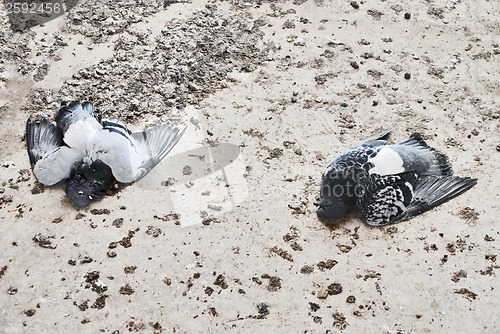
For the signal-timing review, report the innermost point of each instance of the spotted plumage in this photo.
(388, 183)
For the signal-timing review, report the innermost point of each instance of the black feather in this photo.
(42, 138)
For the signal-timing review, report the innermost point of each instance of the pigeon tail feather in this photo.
(72, 113)
(440, 165)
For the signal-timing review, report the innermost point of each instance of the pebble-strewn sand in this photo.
(222, 236)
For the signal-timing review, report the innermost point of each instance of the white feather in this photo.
(80, 133)
(386, 162)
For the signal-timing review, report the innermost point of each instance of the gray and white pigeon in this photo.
(89, 155)
(388, 183)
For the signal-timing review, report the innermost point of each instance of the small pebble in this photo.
(354, 4)
(407, 16)
(407, 76)
(354, 65)
(322, 294)
(351, 299)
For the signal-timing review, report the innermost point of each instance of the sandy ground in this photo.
(222, 236)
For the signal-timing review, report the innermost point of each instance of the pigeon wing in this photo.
(393, 198)
(377, 139)
(152, 145)
(42, 139)
(50, 159)
(432, 191)
(385, 199)
(380, 135)
(132, 155)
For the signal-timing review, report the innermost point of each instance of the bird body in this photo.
(89, 154)
(388, 183)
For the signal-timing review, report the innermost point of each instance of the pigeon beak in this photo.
(81, 202)
(319, 206)
(331, 211)
(322, 210)
(78, 196)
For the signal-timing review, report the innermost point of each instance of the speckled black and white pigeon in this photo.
(89, 155)
(388, 183)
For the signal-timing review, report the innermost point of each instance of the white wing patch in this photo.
(386, 162)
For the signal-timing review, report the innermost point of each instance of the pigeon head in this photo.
(338, 197)
(88, 181)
